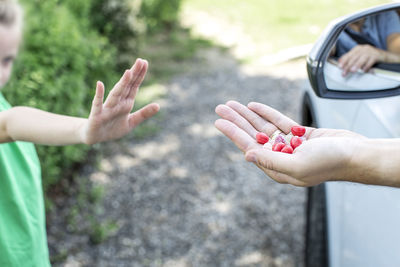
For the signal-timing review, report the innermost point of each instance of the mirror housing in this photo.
(318, 56)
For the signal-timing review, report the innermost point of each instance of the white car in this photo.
(352, 224)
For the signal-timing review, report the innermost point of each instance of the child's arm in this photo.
(107, 121)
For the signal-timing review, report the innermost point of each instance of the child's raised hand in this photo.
(113, 118)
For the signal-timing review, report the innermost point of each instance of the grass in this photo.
(167, 53)
(279, 23)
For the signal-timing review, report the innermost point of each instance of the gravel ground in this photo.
(186, 197)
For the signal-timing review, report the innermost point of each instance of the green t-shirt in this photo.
(22, 217)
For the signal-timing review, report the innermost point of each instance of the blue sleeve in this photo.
(344, 44)
(389, 22)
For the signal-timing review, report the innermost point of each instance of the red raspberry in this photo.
(295, 142)
(298, 130)
(262, 138)
(278, 147)
(287, 149)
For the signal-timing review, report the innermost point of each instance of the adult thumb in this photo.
(271, 160)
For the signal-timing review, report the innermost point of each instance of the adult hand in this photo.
(326, 155)
(113, 119)
(361, 57)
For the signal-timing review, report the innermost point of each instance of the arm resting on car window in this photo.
(363, 57)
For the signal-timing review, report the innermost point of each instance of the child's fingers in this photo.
(227, 113)
(135, 83)
(135, 71)
(143, 114)
(97, 104)
(115, 94)
(272, 115)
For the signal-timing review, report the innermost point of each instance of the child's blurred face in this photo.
(10, 39)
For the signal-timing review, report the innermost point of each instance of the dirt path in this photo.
(186, 197)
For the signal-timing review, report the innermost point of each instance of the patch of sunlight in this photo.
(251, 258)
(156, 150)
(223, 207)
(126, 162)
(219, 30)
(99, 178)
(72, 262)
(178, 172)
(176, 263)
(284, 55)
(106, 166)
(292, 70)
(203, 130)
(149, 93)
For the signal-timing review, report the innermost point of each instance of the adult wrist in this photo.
(384, 56)
(376, 162)
(360, 161)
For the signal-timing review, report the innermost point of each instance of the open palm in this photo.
(326, 154)
(113, 118)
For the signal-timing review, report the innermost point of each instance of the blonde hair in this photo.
(10, 12)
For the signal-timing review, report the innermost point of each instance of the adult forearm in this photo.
(377, 161)
(40, 127)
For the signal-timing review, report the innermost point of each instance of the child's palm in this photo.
(112, 119)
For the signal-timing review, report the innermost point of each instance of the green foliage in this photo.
(101, 231)
(160, 14)
(127, 23)
(113, 20)
(68, 46)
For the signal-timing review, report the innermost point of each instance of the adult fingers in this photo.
(279, 120)
(347, 61)
(356, 58)
(229, 114)
(259, 123)
(282, 178)
(274, 175)
(371, 61)
(143, 114)
(271, 160)
(97, 104)
(238, 136)
(359, 63)
(279, 166)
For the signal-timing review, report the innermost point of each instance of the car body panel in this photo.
(386, 111)
(363, 221)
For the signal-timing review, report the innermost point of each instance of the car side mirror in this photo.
(358, 56)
